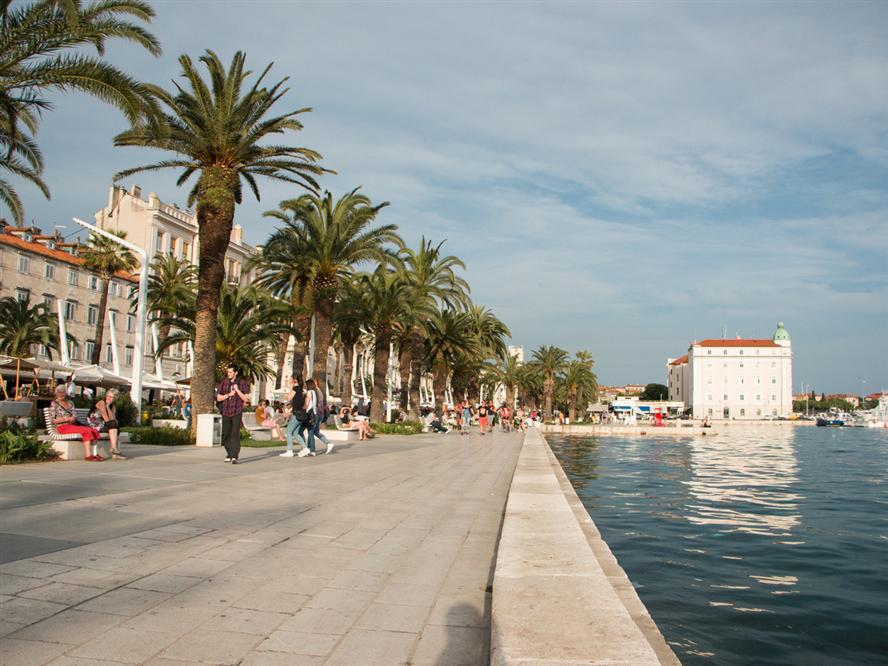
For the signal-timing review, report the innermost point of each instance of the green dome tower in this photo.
(781, 336)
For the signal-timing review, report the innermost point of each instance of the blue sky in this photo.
(618, 177)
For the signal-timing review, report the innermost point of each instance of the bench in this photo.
(257, 432)
(70, 447)
(343, 432)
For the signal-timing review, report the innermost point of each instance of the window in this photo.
(109, 355)
(42, 351)
(773, 364)
(128, 357)
(758, 412)
(742, 396)
(186, 250)
(72, 277)
(92, 315)
(49, 271)
(758, 397)
(710, 412)
(23, 295)
(741, 364)
(726, 397)
(773, 380)
(70, 310)
(130, 323)
(73, 350)
(24, 264)
(47, 301)
(709, 351)
(725, 352)
(709, 380)
(174, 246)
(93, 282)
(115, 288)
(742, 412)
(90, 350)
(741, 352)
(158, 242)
(742, 381)
(709, 397)
(774, 399)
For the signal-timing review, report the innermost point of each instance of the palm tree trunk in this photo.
(280, 359)
(323, 335)
(417, 349)
(380, 371)
(302, 323)
(572, 405)
(439, 382)
(215, 217)
(100, 322)
(548, 388)
(347, 375)
(510, 396)
(405, 361)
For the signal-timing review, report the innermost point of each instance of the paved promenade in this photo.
(381, 553)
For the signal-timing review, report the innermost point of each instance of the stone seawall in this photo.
(559, 595)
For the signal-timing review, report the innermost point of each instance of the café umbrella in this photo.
(96, 375)
(19, 364)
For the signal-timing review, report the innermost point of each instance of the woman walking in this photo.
(295, 405)
(466, 417)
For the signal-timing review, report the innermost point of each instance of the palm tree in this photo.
(172, 287)
(433, 283)
(215, 130)
(383, 307)
(578, 380)
(549, 360)
(348, 323)
(107, 258)
(248, 327)
(23, 326)
(449, 338)
(508, 373)
(333, 238)
(490, 332)
(41, 51)
(588, 389)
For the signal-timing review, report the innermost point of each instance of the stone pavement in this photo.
(381, 553)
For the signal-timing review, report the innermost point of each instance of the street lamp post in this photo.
(139, 351)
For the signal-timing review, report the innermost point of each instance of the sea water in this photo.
(756, 545)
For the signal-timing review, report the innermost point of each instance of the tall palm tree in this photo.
(333, 239)
(588, 389)
(578, 380)
(248, 327)
(107, 258)
(433, 282)
(490, 332)
(449, 338)
(215, 130)
(41, 50)
(550, 361)
(384, 305)
(23, 326)
(508, 373)
(348, 323)
(283, 272)
(172, 287)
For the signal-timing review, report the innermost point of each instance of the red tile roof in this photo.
(736, 343)
(680, 361)
(51, 253)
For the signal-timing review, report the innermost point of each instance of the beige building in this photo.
(160, 228)
(38, 267)
(734, 379)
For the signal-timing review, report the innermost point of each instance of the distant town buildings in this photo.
(734, 379)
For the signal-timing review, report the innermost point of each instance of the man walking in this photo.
(232, 394)
(320, 414)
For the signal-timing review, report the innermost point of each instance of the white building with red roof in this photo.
(741, 379)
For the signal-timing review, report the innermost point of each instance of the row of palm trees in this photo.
(216, 127)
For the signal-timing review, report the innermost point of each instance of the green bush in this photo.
(165, 436)
(403, 428)
(17, 445)
(126, 410)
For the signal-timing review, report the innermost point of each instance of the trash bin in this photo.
(209, 430)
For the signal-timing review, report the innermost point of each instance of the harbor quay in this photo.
(401, 550)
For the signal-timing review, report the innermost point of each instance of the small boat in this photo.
(835, 419)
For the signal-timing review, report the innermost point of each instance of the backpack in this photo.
(320, 405)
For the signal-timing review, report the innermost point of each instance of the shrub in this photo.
(17, 445)
(126, 410)
(403, 428)
(165, 436)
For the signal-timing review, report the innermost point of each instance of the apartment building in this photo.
(38, 267)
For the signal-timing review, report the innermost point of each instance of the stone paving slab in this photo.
(381, 553)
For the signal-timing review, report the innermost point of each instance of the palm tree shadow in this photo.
(468, 636)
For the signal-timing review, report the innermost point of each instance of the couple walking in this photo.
(308, 409)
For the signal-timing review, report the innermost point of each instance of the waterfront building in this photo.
(517, 351)
(45, 267)
(161, 228)
(734, 379)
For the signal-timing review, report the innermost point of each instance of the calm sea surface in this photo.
(765, 545)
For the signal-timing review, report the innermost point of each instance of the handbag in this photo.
(300, 415)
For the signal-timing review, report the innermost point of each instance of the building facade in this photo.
(734, 379)
(161, 228)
